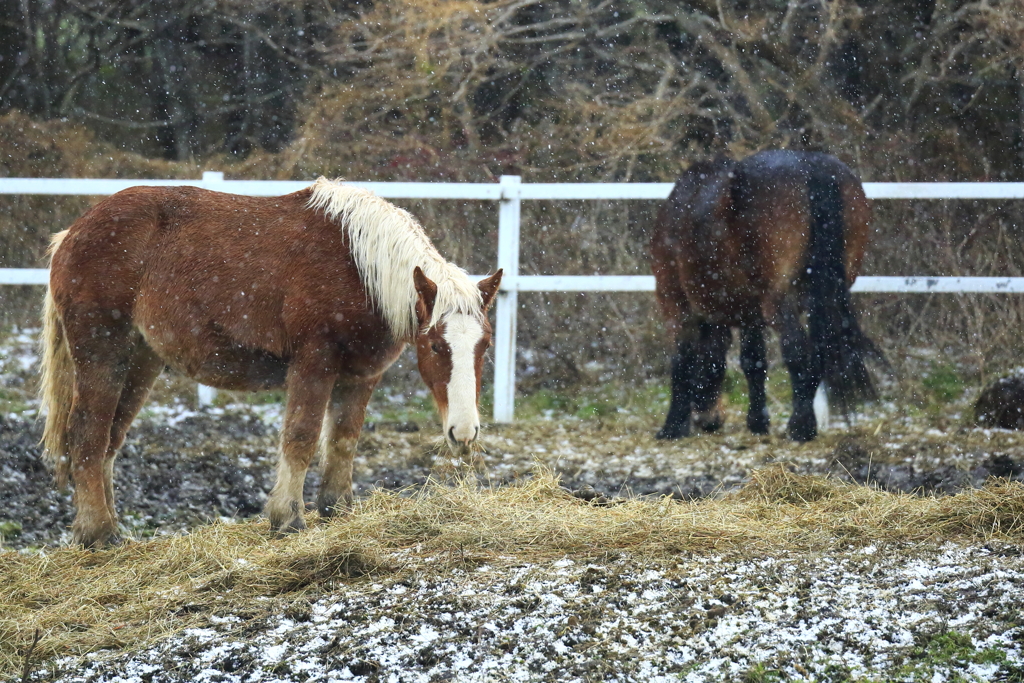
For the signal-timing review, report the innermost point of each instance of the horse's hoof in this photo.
(96, 541)
(295, 525)
(758, 425)
(803, 433)
(671, 433)
(708, 421)
(334, 507)
(711, 426)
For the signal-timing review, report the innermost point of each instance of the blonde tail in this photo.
(56, 388)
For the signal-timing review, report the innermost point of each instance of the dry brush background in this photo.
(568, 90)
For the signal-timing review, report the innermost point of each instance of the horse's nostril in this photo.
(451, 434)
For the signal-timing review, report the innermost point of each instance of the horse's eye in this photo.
(434, 348)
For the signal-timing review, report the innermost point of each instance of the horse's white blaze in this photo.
(463, 333)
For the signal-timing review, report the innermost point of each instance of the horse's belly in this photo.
(215, 360)
(241, 369)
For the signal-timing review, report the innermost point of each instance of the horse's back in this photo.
(127, 234)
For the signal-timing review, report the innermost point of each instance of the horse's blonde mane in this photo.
(387, 244)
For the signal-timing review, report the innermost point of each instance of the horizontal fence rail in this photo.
(509, 192)
(480, 191)
(645, 283)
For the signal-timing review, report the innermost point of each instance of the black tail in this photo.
(840, 347)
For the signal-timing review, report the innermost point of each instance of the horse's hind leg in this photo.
(309, 388)
(804, 374)
(677, 422)
(347, 412)
(101, 366)
(709, 375)
(143, 369)
(754, 361)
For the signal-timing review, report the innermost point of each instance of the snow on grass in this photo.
(861, 615)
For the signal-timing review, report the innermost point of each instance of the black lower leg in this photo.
(710, 374)
(804, 377)
(754, 361)
(677, 423)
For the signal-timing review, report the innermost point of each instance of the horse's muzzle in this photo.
(462, 437)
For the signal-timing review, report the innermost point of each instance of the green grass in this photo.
(418, 409)
(13, 401)
(592, 402)
(951, 652)
(257, 398)
(734, 389)
(942, 383)
(9, 529)
(648, 401)
(947, 656)
(759, 673)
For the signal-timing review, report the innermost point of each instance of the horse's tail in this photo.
(839, 346)
(56, 388)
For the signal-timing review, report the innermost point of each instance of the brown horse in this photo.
(764, 240)
(317, 292)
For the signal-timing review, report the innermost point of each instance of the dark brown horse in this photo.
(768, 239)
(317, 292)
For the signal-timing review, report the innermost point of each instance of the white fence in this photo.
(510, 192)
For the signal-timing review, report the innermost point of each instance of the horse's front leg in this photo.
(309, 388)
(347, 412)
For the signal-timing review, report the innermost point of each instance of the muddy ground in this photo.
(180, 468)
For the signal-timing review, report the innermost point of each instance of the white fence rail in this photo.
(510, 192)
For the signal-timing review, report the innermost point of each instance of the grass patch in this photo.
(648, 401)
(9, 529)
(759, 673)
(124, 597)
(943, 384)
(608, 401)
(250, 398)
(734, 389)
(953, 651)
(14, 401)
(415, 408)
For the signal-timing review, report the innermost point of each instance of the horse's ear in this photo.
(489, 287)
(427, 295)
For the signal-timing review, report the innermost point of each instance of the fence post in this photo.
(210, 180)
(508, 300)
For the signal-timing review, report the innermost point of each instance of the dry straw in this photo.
(125, 597)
